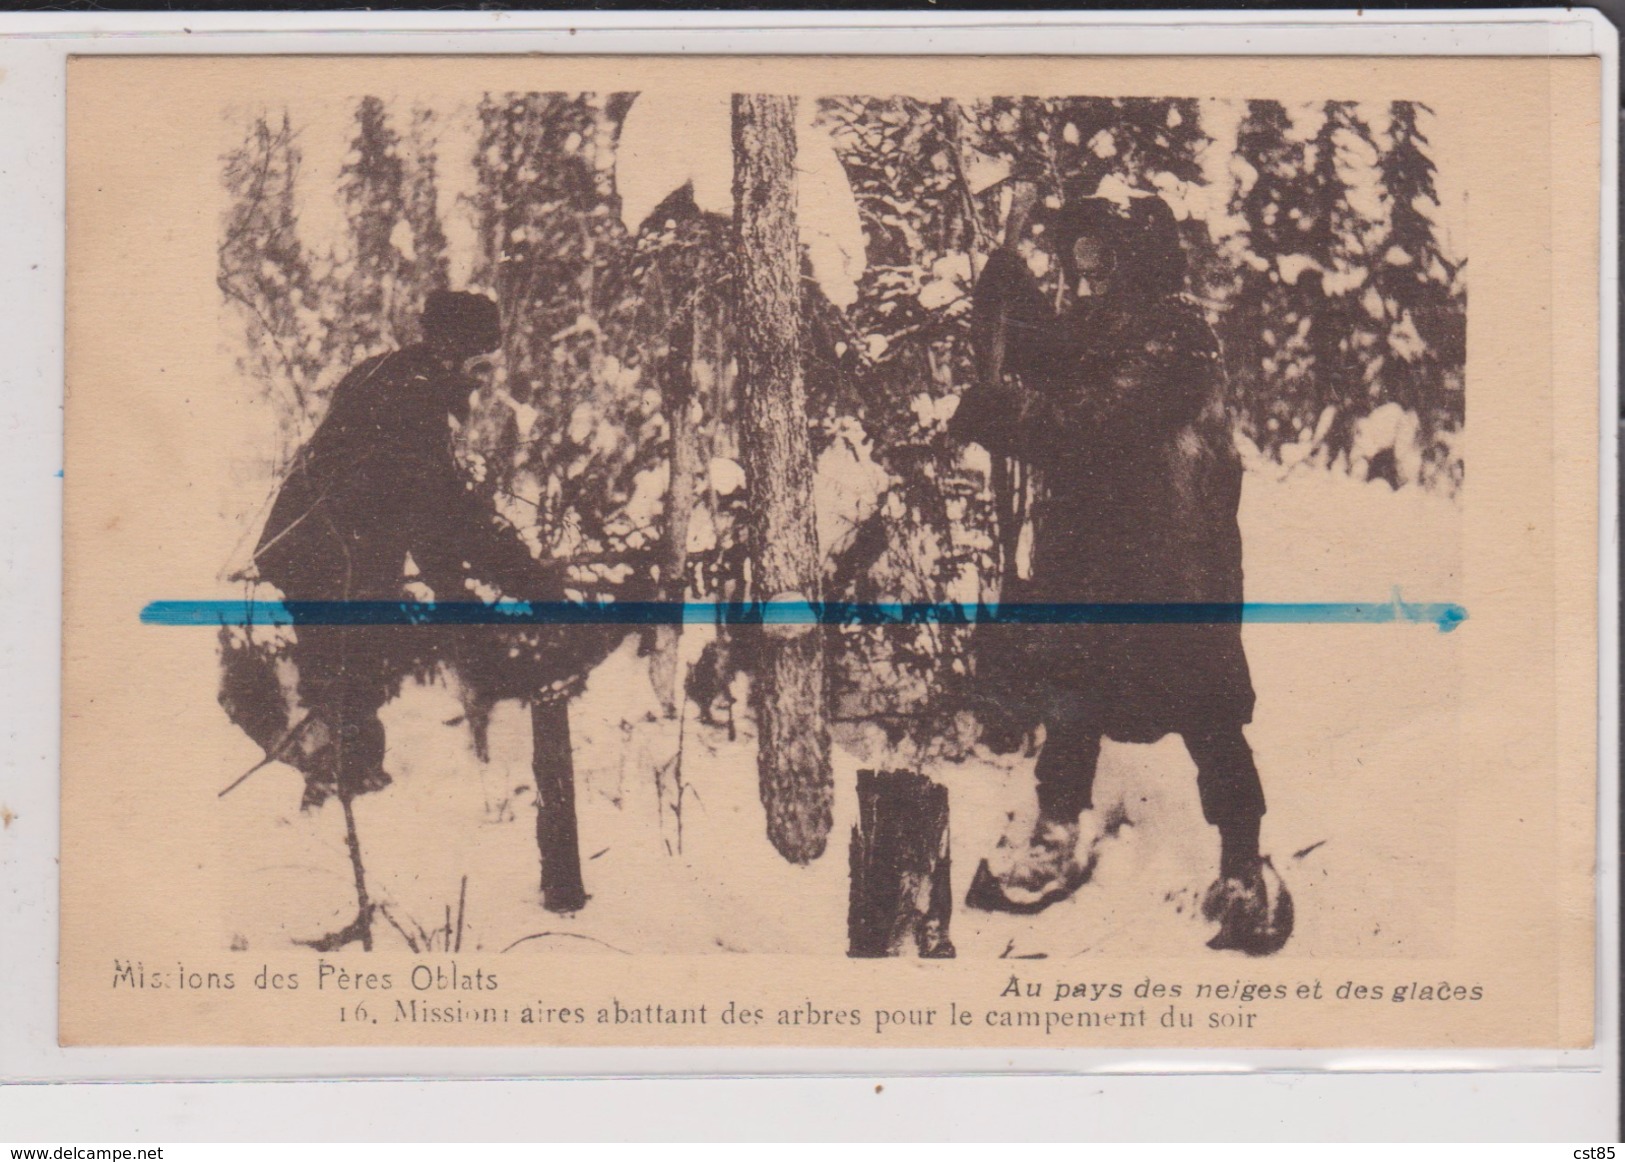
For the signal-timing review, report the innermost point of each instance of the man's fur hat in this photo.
(1141, 233)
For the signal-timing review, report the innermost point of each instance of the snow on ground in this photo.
(1354, 735)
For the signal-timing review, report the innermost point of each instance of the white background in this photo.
(1236, 1096)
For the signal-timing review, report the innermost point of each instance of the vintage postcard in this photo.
(831, 552)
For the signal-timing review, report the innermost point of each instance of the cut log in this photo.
(556, 837)
(901, 896)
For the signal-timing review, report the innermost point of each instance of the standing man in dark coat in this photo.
(378, 482)
(1122, 413)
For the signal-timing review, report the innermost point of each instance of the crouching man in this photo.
(379, 482)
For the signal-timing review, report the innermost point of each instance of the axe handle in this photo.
(1015, 224)
(1006, 470)
(1009, 511)
(1023, 195)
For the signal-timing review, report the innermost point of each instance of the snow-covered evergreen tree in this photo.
(1325, 297)
(1422, 293)
(265, 274)
(1261, 354)
(378, 294)
(571, 424)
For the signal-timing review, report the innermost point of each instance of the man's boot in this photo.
(1252, 908)
(356, 768)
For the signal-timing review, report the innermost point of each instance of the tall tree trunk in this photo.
(792, 731)
(677, 388)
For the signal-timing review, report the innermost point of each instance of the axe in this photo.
(980, 173)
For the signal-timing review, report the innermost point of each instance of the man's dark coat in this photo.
(1124, 417)
(379, 480)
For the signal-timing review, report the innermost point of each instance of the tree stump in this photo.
(901, 891)
(556, 837)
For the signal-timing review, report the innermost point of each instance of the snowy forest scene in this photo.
(809, 389)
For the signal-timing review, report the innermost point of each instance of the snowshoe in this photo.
(1046, 873)
(1253, 911)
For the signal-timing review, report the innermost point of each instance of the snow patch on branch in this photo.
(673, 139)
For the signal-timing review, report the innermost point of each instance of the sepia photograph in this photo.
(1013, 354)
(592, 524)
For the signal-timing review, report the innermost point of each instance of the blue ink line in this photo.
(1445, 615)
